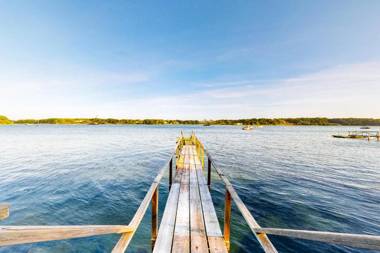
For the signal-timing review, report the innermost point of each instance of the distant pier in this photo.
(360, 134)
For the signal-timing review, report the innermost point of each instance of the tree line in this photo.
(251, 121)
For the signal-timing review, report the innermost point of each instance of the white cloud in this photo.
(72, 94)
(340, 91)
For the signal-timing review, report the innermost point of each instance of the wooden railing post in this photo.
(170, 172)
(154, 216)
(227, 219)
(209, 172)
(203, 157)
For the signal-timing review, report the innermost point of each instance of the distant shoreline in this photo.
(251, 121)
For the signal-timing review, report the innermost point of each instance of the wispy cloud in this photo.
(340, 91)
(65, 95)
(49, 83)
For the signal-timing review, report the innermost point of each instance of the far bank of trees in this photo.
(99, 121)
(252, 121)
(278, 121)
(355, 121)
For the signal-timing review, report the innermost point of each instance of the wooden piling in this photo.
(209, 172)
(170, 173)
(227, 219)
(154, 216)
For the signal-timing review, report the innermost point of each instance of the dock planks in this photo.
(189, 223)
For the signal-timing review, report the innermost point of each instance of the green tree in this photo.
(5, 121)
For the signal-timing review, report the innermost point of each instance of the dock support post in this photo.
(154, 217)
(209, 172)
(170, 173)
(203, 157)
(227, 219)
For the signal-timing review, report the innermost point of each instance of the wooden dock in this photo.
(189, 222)
(360, 134)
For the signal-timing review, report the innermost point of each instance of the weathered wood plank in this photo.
(187, 157)
(194, 209)
(211, 220)
(123, 243)
(165, 233)
(214, 234)
(12, 235)
(181, 158)
(198, 233)
(216, 244)
(191, 155)
(212, 228)
(196, 158)
(213, 231)
(4, 211)
(181, 241)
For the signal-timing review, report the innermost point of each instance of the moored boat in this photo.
(247, 128)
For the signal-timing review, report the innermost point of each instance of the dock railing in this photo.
(353, 240)
(14, 235)
(192, 140)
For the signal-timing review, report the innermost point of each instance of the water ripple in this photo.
(290, 177)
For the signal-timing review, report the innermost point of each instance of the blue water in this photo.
(289, 177)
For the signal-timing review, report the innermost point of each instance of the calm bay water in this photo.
(289, 177)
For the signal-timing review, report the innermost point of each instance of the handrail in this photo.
(200, 149)
(354, 240)
(13, 235)
(125, 239)
(193, 139)
(263, 239)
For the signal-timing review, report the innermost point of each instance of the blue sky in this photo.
(189, 59)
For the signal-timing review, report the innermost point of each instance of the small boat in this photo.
(247, 128)
(365, 127)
